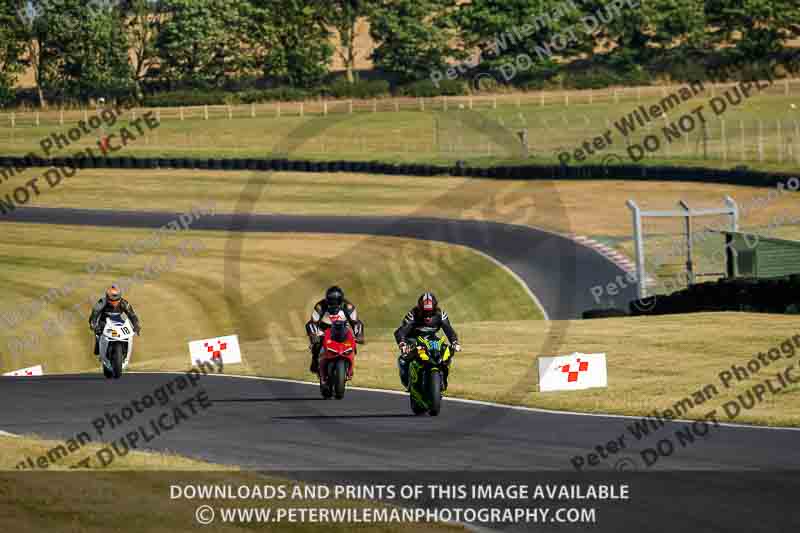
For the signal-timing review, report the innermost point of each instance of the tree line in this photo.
(78, 49)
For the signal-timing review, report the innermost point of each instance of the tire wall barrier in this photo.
(526, 172)
(772, 295)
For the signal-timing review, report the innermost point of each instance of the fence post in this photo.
(494, 101)
(181, 112)
(324, 109)
(61, 117)
(786, 86)
(37, 118)
(13, 120)
(302, 108)
(350, 107)
(591, 99)
(422, 104)
(205, 112)
(566, 99)
(638, 93)
(616, 96)
(780, 140)
(374, 105)
(252, 110)
(230, 114)
(444, 99)
(396, 106)
(541, 98)
(760, 141)
(158, 114)
(470, 103)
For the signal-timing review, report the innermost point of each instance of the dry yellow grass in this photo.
(133, 494)
(192, 300)
(595, 207)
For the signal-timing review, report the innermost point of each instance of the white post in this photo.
(494, 101)
(181, 112)
(350, 107)
(734, 207)
(205, 112)
(252, 110)
(230, 114)
(61, 117)
(302, 109)
(13, 120)
(541, 98)
(278, 110)
(780, 141)
(637, 237)
(37, 118)
(324, 109)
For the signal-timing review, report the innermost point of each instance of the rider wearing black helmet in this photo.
(426, 318)
(334, 304)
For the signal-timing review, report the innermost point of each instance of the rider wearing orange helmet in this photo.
(111, 302)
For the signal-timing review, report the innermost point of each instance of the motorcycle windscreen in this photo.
(339, 331)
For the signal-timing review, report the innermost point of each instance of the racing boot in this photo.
(402, 365)
(314, 368)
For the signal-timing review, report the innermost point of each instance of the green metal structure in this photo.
(754, 256)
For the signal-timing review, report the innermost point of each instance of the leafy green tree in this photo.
(503, 31)
(289, 40)
(758, 29)
(76, 50)
(343, 15)
(413, 37)
(200, 41)
(12, 48)
(143, 20)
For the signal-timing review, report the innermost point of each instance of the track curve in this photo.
(557, 270)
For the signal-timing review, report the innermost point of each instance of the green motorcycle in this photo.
(426, 373)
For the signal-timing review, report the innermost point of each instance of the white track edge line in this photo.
(519, 280)
(492, 404)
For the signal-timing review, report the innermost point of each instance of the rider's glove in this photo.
(456, 347)
(404, 348)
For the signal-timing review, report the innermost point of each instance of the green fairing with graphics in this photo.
(426, 374)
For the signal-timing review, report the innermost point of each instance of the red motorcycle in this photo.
(336, 359)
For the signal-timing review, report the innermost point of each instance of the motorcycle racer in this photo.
(427, 318)
(333, 307)
(111, 302)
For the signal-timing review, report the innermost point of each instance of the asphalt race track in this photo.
(559, 271)
(371, 437)
(721, 481)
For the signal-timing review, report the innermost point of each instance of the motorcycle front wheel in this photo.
(116, 360)
(339, 378)
(435, 392)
